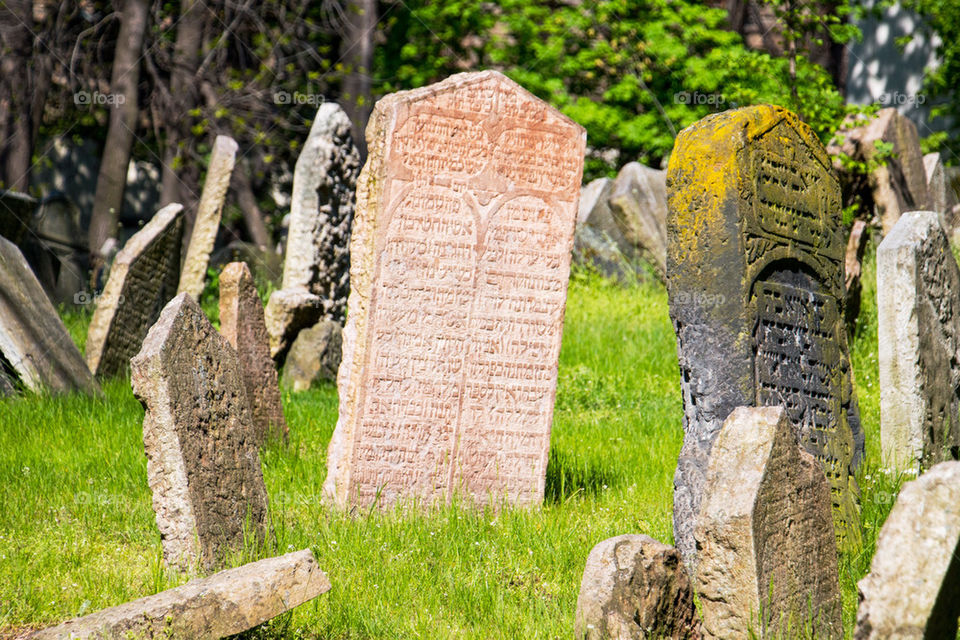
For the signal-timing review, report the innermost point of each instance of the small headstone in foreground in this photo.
(36, 352)
(143, 279)
(203, 464)
(911, 590)
(209, 211)
(242, 324)
(767, 560)
(224, 604)
(635, 588)
(918, 325)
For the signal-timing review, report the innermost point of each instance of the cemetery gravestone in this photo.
(242, 324)
(767, 555)
(202, 460)
(460, 258)
(209, 211)
(314, 356)
(142, 281)
(911, 590)
(36, 352)
(936, 183)
(918, 284)
(639, 204)
(755, 283)
(598, 240)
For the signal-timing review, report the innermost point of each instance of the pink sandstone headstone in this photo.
(203, 466)
(460, 257)
(241, 323)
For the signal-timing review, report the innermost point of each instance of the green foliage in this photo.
(633, 73)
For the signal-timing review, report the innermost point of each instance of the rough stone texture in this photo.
(143, 279)
(224, 604)
(900, 183)
(460, 258)
(635, 588)
(911, 590)
(314, 356)
(936, 183)
(288, 312)
(598, 240)
(918, 313)
(36, 352)
(755, 281)
(767, 553)
(639, 205)
(852, 269)
(209, 211)
(321, 212)
(242, 324)
(202, 460)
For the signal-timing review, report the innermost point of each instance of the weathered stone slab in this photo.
(142, 281)
(918, 313)
(224, 604)
(598, 240)
(755, 281)
(36, 352)
(767, 554)
(288, 312)
(911, 590)
(314, 356)
(242, 324)
(202, 461)
(853, 269)
(321, 212)
(899, 182)
(639, 205)
(635, 588)
(936, 183)
(460, 258)
(209, 212)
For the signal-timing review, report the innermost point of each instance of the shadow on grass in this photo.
(569, 475)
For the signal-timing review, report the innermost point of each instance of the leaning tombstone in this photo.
(241, 323)
(755, 283)
(142, 281)
(767, 556)
(911, 590)
(202, 461)
(635, 588)
(224, 604)
(204, 233)
(918, 326)
(936, 183)
(639, 204)
(317, 258)
(36, 352)
(460, 258)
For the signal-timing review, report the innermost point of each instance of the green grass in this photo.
(77, 531)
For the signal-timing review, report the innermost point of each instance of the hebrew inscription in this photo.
(464, 229)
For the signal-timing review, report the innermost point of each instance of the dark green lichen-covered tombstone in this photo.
(755, 283)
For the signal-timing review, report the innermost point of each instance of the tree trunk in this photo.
(252, 216)
(122, 102)
(16, 147)
(357, 51)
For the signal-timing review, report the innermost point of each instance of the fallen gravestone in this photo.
(321, 214)
(36, 352)
(142, 281)
(635, 588)
(204, 233)
(755, 283)
(224, 604)
(767, 556)
(911, 590)
(889, 143)
(639, 204)
(202, 460)
(314, 356)
(460, 258)
(241, 323)
(918, 326)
